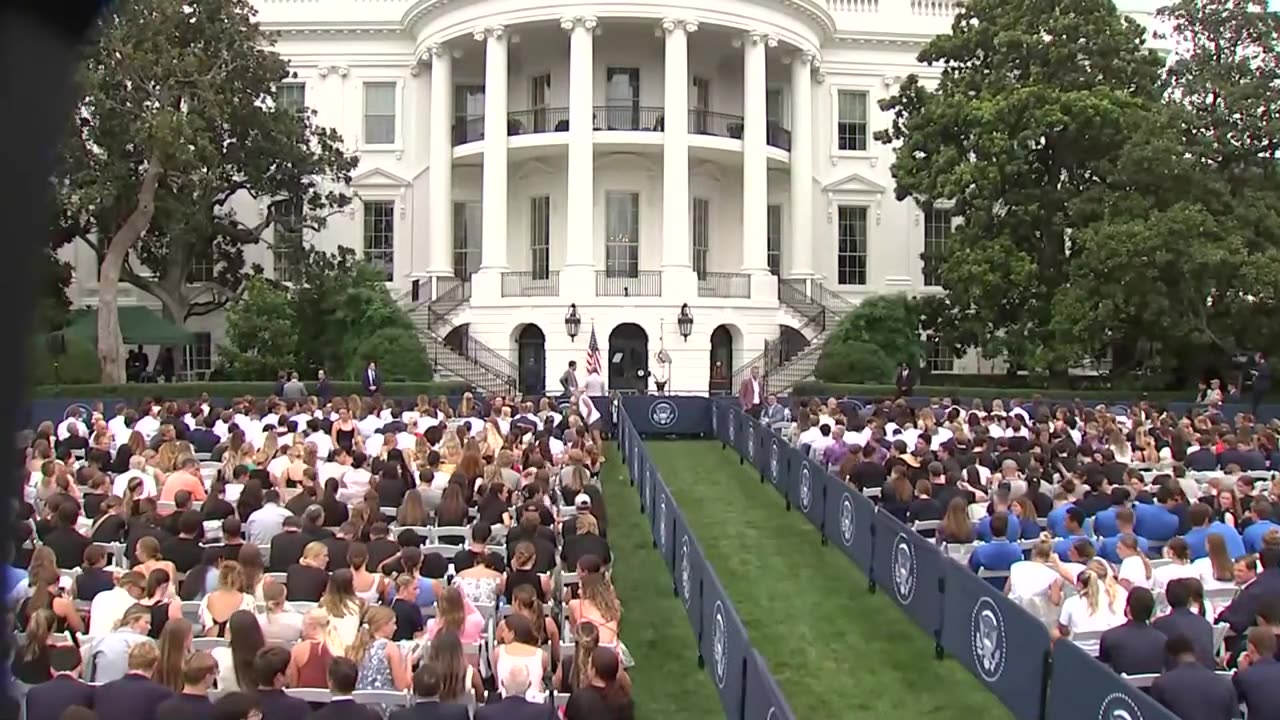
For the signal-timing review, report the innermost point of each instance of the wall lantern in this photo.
(685, 322)
(572, 321)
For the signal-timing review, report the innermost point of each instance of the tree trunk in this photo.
(110, 341)
(174, 309)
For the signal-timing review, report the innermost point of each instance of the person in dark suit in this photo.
(371, 380)
(269, 666)
(198, 673)
(905, 381)
(324, 388)
(286, 548)
(342, 683)
(1257, 682)
(48, 700)
(1243, 610)
(1190, 690)
(426, 690)
(1261, 382)
(135, 696)
(203, 439)
(1134, 648)
(513, 706)
(1181, 622)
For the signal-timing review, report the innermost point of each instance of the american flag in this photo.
(593, 353)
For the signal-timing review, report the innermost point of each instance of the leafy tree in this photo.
(891, 323)
(1035, 99)
(177, 124)
(854, 362)
(262, 332)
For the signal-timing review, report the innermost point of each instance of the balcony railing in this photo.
(540, 120)
(778, 136)
(628, 117)
(724, 285)
(705, 122)
(645, 283)
(468, 129)
(530, 284)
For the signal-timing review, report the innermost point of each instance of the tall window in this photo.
(622, 239)
(937, 228)
(851, 121)
(540, 237)
(539, 97)
(380, 113)
(774, 235)
(851, 254)
(468, 110)
(775, 108)
(286, 240)
(622, 95)
(198, 356)
(942, 358)
(203, 268)
(292, 97)
(701, 226)
(467, 218)
(380, 235)
(700, 104)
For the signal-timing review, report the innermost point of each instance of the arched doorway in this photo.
(790, 342)
(722, 367)
(457, 338)
(628, 358)
(532, 344)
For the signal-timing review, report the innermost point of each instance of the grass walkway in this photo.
(667, 682)
(836, 650)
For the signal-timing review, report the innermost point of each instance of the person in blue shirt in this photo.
(1261, 511)
(1073, 530)
(1056, 521)
(1203, 525)
(1104, 523)
(1109, 548)
(1024, 511)
(998, 555)
(999, 505)
(1157, 521)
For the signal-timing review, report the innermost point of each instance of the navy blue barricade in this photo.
(908, 568)
(1084, 688)
(763, 700)
(689, 569)
(807, 491)
(724, 645)
(731, 426)
(604, 404)
(748, 438)
(716, 415)
(850, 522)
(664, 509)
(779, 471)
(764, 439)
(1003, 645)
(667, 414)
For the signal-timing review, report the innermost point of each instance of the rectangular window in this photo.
(468, 112)
(379, 113)
(539, 98)
(701, 226)
(203, 269)
(937, 228)
(775, 108)
(467, 218)
(774, 235)
(851, 121)
(380, 236)
(851, 253)
(700, 105)
(622, 239)
(286, 240)
(198, 356)
(540, 237)
(622, 95)
(942, 358)
(292, 97)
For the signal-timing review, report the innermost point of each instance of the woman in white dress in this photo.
(519, 646)
(1216, 570)
(1097, 606)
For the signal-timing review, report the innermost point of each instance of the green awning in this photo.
(139, 326)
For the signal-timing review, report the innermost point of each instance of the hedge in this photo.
(133, 391)
(821, 389)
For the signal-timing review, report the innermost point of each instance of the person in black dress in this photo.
(306, 581)
(67, 543)
(93, 577)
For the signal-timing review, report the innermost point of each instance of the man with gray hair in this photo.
(515, 684)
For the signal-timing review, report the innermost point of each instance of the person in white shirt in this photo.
(335, 468)
(1216, 570)
(593, 385)
(108, 607)
(137, 469)
(267, 521)
(824, 440)
(1180, 566)
(356, 480)
(590, 414)
(323, 443)
(72, 419)
(1030, 581)
(1097, 606)
(1135, 568)
(150, 424)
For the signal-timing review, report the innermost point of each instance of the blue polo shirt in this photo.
(1252, 535)
(1057, 520)
(997, 556)
(1154, 522)
(983, 532)
(1196, 540)
(1104, 523)
(1062, 546)
(1107, 548)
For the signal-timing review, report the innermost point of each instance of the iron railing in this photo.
(794, 295)
(724, 285)
(705, 122)
(777, 353)
(538, 120)
(499, 366)
(829, 299)
(628, 117)
(530, 284)
(778, 136)
(468, 129)
(645, 283)
(451, 294)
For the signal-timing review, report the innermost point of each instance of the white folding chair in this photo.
(311, 695)
(209, 643)
(422, 531)
(390, 698)
(445, 551)
(1141, 681)
(442, 535)
(281, 578)
(922, 526)
(1092, 636)
(302, 607)
(562, 699)
(872, 493)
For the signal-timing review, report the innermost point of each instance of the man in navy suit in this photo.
(1243, 610)
(48, 700)
(371, 380)
(135, 696)
(342, 683)
(268, 667)
(514, 706)
(1257, 681)
(426, 687)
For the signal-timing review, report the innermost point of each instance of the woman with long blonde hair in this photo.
(218, 606)
(467, 407)
(382, 665)
(309, 657)
(459, 679)
(1135, 568)
(1089, 610)
(342, 606)
(597, 603)
(1216, 570)
(455, 614)
(450, 450)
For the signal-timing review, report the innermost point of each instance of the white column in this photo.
(493, 248)
(675, 147)
(755, 168)
(580, 225)
(800, 244)
(440, 170)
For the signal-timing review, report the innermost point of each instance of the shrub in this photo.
(890, 323)
(79, 364)
(854, 362)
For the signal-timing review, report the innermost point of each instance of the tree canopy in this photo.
(179, 124)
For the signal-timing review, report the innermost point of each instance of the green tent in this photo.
(139, 326)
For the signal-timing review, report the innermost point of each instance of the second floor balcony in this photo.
(470, 128)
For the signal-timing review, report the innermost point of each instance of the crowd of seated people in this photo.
(1147, 538)
(348, 559)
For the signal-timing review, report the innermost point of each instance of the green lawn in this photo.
(667, 682)
(836, 650)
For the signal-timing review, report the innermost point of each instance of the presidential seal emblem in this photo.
(663, 414)
(662, 523)
(684, 571)
(1118, 706)
(751, 443)
(773, 462)
(986, 633)
(719, 645)
(903, 567)
(806, 487)
(846, 520)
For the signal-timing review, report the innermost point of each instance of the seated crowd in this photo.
(1147, 538)
(352, 558)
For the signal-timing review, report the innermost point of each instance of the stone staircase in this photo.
(783, 366)
(460, 357)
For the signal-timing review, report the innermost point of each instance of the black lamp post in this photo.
(685, 322)
(572, 321)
